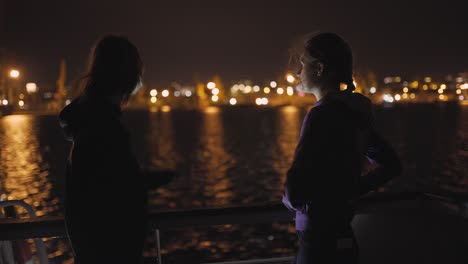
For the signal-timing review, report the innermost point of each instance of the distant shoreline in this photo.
(39, 113)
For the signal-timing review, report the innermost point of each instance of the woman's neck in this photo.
(325, 89)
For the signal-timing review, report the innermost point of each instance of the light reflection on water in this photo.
(160, 141)
(288, 126)
(214, 162)
(24, 173)
(227, 157)
(216, 178)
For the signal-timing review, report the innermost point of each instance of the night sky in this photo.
(183, 40)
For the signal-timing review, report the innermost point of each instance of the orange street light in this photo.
(14, 73)
(31, 87)
(290, 78)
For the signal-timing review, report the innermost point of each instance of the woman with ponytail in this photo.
(339, 155)
(106, 196)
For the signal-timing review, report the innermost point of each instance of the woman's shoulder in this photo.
(89, 119)
(328, 117)
(326, 110)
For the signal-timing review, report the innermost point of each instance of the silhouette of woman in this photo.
(339, 155)
(105, 200)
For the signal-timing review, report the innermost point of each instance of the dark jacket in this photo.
(105, 200)
(325, 176)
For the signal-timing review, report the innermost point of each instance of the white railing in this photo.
(40, 248)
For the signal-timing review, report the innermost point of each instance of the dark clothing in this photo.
(105, 200)
(327, 248)
(325, 176)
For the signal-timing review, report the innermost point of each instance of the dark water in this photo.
(227, 157)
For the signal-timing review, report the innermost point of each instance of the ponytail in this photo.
(346, 68)
(350, 84)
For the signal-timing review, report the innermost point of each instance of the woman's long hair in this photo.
(115, 69)
(335, 53)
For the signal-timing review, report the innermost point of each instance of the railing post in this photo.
(158, 246)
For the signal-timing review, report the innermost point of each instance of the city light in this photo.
(233, 101)
(459, 79)
(234, 88)
(461, 98)
(434, 89)
(388, 98)
(261, 101)
(211, 85)
(31, 87)
(165, 108)
(67, 102)
(14, 73)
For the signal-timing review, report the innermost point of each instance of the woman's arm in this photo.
(387, 164)
(294, 189)
(319, 155)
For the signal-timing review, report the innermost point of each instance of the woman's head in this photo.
(326, 62)
(115, 70)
